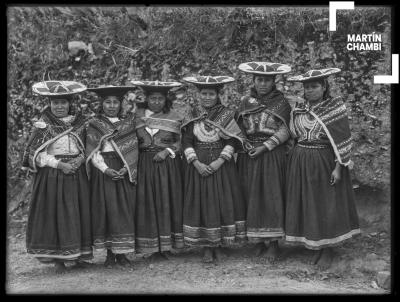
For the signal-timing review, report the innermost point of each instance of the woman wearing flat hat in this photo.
(214, 208)
(264, 116)
(111, 161)
(59, 228)
(320, 209)
(160, 187)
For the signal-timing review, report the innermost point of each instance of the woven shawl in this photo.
(273, 103)
(121, 135)
(53, 128)
(332, 115)
(170, 121)
(218, 116)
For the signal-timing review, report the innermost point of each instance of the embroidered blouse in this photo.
(307, 129)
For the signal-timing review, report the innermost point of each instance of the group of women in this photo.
(153, 181)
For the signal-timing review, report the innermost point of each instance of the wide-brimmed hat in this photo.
(108, 90)
(209, 81)
(156, 86)
(314, 74)
(264, 68)
(55, 89)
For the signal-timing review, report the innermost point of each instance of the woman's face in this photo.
(156, 101)
(208, 97)
(59, 107)
(263, 84)
(111, 106)
(313, 91)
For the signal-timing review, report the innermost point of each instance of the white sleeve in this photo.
(44, 159)
(98, 162)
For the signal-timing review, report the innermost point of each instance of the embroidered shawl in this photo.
(331, 114)
(46, 131)
(219, 117)
(121, 135)
(273, 103)
(170, 121)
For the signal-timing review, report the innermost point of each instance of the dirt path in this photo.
(185, 273)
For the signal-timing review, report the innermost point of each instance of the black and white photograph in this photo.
(200, 149)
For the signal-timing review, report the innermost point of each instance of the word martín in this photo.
(364, 42)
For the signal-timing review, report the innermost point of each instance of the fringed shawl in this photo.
(121, 135)
(170, 121)
(332, 115)
(46, 131)
(273, 103)
(218, 116)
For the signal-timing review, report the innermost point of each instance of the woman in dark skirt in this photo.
(59, 228)
(112, 155)
(214, 206)
(320, 210)
(264, 117)
(160, 188)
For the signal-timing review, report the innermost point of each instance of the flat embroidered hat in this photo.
(209, 81)
(264, 68)
(156, 86)
(314, 74)
(58, 88)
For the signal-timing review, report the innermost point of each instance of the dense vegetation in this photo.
(119, 44)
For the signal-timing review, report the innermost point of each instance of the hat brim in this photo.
(264, 68)
(314, 75)
(43, 88)
(209, 81)
(156, 86)
(118, 91)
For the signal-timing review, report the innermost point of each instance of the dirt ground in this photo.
(354, 270)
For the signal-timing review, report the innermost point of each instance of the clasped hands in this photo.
(206, 170)
(116, 175)
(253, 152)
(71, 166)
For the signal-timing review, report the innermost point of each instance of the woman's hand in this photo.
(203, 169)
(112, 173)
(336, 175)
(257, 151)
(121, 173)
(161, 156)
(67, 168)
(76, 162)
(248, 146)
(216, 164)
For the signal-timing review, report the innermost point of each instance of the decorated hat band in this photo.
(314, 74)
(264, 68)
(156, 86)
(209, 81)
(58, 88)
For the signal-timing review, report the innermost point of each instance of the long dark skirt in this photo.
(214, 207)
(59, 224)
(159, 204)
(318, 214)
(263, 182)
(113, 208)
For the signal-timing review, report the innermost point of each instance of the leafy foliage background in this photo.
(168, 43)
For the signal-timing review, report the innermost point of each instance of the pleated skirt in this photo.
(159, 205)
(318, 214)
(214, 206)
(59, 221)
(113, 208)
(263, 183)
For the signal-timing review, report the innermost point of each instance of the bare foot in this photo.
(219, 255)
(326, 259)
(158, 256)
(208, 255)
(273, 252)
(315, 257)
(166, 255)
(110, 260)
(82, 264)
(259, 249)
(60, 267)
(122, 260)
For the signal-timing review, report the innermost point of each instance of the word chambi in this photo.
(364, 42)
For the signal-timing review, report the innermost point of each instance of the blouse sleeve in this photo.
(187, 144)
(98, 162)
(229, 149)
(278, 138)
(175, 147)
(43, 159)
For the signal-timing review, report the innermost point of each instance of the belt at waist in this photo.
(208, 145)
(313, 145)
(257, 138)
(66, 157)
